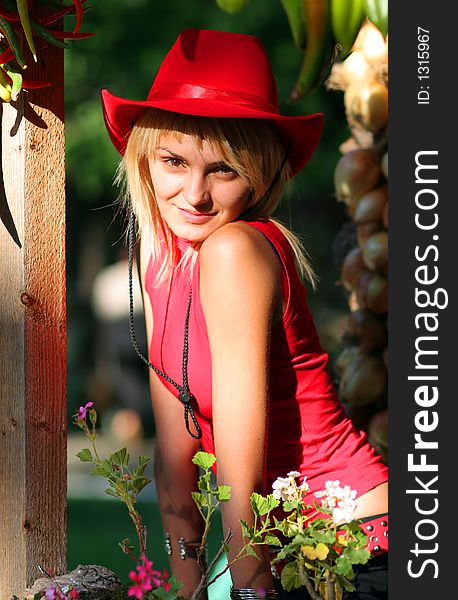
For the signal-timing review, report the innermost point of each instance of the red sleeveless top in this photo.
(308, 430)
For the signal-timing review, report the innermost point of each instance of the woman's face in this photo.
(195, 190)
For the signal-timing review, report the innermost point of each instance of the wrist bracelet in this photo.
(188, 549)
(168, 544)
(252, 594)
(185, 549)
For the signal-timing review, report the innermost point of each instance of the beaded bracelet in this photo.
(251, 594)
(185, 549)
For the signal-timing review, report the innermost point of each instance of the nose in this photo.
(195, 191)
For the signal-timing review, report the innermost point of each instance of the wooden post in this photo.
(33, 474)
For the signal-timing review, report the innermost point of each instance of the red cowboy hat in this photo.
(216, 74)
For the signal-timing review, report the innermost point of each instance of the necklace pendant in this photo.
(185, 397)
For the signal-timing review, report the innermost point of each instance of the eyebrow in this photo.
(179, 157)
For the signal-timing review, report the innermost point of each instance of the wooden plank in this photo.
(33, 475)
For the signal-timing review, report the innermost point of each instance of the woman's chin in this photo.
(192, 234)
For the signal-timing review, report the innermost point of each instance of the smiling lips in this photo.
(193, 217)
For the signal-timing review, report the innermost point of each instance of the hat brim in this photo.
(302, 132)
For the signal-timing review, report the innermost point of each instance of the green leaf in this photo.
(112, 492)
(287, 550)
(272, 540)
(17, 84)
(204, 482)
(199, 499)
(357, 555)
(204, 460)
(223, 493)
(327, 537)
(139, 483)
(259, 504)
(295, 12)
(100, 470)
(143, 460)
(272, 502)
(250, 551)
(246, 530)
(290, 578)
(343, 567)
(85, 455)
(142, 464)
(288, 505)
(121, 457)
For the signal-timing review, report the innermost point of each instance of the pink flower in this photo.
(73, 594)
(53, 593)
(82, 411)
(142, 584)
(145, 577)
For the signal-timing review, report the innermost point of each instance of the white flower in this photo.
(286, 488)
(341, 500)
(294, 474)
(305, 488)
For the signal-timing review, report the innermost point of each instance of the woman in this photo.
(205, 158)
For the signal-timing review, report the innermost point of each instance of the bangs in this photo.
(251, 147)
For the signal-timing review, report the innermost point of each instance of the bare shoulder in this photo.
(239, 273)
(238, 247)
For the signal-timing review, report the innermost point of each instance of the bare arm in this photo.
(240, 295)
(175, 474)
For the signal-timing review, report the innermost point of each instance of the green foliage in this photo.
(85, 455)
(294, 10)
(290, 577)
(204, 460)
(120, 458)
(262, 505)
(317, 549)
(377, 11)
(171, 594)
(347, 17)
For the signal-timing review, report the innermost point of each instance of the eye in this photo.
(172, 161)
(225, 169)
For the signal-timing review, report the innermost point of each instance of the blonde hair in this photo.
(251, 147)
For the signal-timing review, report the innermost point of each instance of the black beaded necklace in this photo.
(184, 395)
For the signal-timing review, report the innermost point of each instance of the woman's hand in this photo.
(240, 296)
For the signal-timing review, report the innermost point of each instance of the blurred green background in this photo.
(132, 37)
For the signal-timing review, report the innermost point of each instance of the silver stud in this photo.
(384, 523)
(370, 528)
(385, 533)
(376, 548)
(373, 538)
